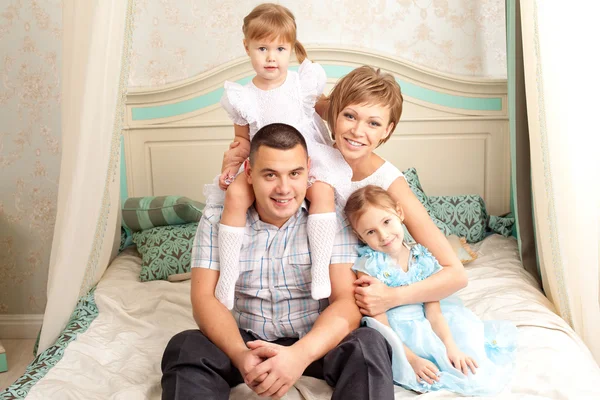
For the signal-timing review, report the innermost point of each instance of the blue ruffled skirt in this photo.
(492, 344)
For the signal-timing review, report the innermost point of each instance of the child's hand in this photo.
(425, 369)
(227, 176)
(461, 361)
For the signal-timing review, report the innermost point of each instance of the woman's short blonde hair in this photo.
(366, 85)
(270, 21)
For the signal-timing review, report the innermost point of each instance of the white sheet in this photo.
(118, 357)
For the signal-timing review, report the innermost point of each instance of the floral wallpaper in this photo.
(174, 40)
(177, 39)
(30, 38)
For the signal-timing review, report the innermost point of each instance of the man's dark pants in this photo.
(360, 367)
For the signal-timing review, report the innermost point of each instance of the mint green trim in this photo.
(333, 71)
(82, 316)
(3, 363)
(181, 107)
(123, 186)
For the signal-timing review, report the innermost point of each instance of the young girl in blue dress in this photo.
(436, 345)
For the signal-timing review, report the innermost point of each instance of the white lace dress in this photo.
(383, 177)
(292, 103)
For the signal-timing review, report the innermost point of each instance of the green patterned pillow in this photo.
(465, 216)
(415, 185)
(141, 213)
(165, 250)
(123, 239)
(502, 225)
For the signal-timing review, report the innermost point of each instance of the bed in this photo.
(122, 348)
(173, 144)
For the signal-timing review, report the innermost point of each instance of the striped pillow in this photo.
(141, 213)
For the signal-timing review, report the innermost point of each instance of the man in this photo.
(276, 331)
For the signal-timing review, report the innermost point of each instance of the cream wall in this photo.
(30, 59)
(174, 40)
(177, 39)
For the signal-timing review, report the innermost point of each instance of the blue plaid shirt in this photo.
(272, 294)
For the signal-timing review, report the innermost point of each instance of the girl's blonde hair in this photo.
(370, 195)
(366, 85)
(271, 21)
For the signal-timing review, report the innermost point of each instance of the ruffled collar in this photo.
(366, 251)
(381, 266)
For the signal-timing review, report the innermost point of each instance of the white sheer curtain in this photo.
(561, 80)
(96, 37)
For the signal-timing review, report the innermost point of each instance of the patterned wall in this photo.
(177, 39)
(171, 42)
(30, 33)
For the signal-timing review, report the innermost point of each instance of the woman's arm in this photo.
(322, 106)
(442, 284)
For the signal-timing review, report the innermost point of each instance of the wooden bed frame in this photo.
(454, 130)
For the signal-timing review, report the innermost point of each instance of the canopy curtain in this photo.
(561, 81)
(519, 142)
(96, 42)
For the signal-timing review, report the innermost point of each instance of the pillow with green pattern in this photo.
(415, 185)
(141, 213)
(465, 216)
(165, 250)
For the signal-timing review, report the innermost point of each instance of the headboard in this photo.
(453, 130)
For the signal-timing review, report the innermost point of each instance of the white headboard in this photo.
(453, 130)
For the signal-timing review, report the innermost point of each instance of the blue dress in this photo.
(491, 344)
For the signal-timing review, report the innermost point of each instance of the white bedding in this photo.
(118, 357)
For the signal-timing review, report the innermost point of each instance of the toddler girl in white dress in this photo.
(276, 95)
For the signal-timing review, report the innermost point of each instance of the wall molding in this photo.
(20, 326)
(184, 129)
(445, 92)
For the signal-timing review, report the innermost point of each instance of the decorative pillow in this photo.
(415, 185)
(465, 216)
(180, 277)
(165, 250)
(462, 249)
(141, 213)
(123, 239)
(502, 225)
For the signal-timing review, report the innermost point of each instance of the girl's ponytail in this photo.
(300, 52)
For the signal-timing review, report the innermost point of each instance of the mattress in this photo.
(118, 356)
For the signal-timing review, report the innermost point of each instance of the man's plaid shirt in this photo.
(272, 294)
